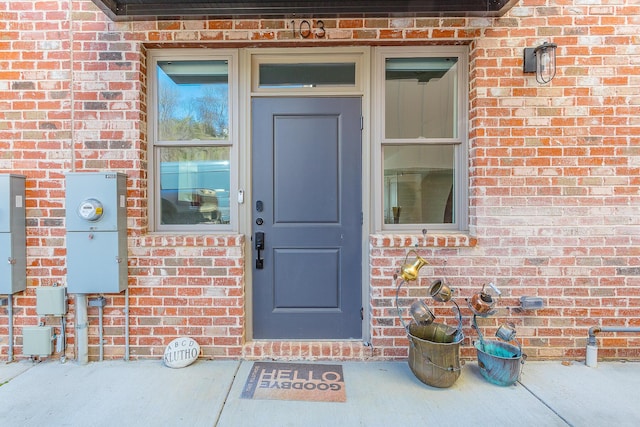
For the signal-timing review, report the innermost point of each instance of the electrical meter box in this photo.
(96, 220)
(13, 237)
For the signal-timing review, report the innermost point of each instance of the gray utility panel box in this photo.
(13, 237)
(96, 219)
(51, 301)
(37, 341)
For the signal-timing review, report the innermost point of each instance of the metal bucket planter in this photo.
(500, 362)
(434, 353)
(434, 348)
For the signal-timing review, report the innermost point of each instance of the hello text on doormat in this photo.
(295, 381)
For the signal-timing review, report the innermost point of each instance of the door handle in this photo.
(259, 244)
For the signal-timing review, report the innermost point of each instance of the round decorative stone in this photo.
(181, 352)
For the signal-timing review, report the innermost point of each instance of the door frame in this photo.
(247, 60)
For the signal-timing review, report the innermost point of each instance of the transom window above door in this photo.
(307, 73)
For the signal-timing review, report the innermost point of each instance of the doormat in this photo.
(295, 381)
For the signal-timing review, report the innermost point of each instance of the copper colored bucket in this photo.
(434, 353)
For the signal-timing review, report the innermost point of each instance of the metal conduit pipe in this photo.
(126, 325)
(101, 333)
(10, 313)
(82, 333)
(63, 337)
(592, 344)
(100, 302)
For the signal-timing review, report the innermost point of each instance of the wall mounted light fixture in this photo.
(542, 61)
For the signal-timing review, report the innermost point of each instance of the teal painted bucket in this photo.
(499, 362)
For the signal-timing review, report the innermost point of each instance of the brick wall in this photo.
(554, 175)
(554, 185)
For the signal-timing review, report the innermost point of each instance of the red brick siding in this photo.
(554, 188)
(554, 176)
(187, 285)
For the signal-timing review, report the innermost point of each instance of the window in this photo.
(307, 75)
(192, 147)
(308, 72)
(421, 139)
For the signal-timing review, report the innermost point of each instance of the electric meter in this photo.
(90, 210)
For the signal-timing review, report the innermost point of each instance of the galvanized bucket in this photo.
(500, 362)
(434, 353)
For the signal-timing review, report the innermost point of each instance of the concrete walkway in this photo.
(207, 393)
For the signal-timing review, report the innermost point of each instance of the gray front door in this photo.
(307, 202)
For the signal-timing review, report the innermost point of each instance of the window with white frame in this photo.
(192, 149)
(422, 136)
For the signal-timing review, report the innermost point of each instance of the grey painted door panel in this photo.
(306, 155)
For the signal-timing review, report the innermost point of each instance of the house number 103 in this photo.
(305, 29)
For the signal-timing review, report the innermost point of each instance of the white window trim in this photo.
(461, 172)
(153, 175)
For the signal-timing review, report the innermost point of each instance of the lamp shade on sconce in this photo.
(542, 61)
